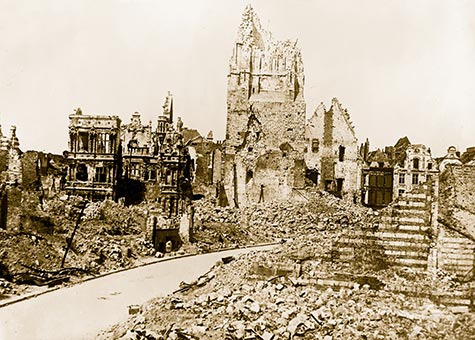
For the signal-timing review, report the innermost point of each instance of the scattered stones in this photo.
(296, 291)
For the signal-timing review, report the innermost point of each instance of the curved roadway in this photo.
(83, 310)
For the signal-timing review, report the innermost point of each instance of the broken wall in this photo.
(275, 131)
(456, 216)
(207, 157)
(332, 150)
(457, 198)
(456, 253)
(21, 204)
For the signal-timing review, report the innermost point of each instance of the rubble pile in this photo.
(110, 236)
(115, 219)
(299, 290)
(233, 301)
(217, 227)
(44, 251)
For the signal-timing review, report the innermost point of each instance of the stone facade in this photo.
(110, 160)
(138, 150)
(174, 173)
(417, 167)
(332, 150)
(94, 155)
(264, 151)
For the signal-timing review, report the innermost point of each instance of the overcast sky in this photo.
(400, 67)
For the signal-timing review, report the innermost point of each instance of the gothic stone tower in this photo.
(265, 131)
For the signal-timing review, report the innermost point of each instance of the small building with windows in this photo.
(93, 156)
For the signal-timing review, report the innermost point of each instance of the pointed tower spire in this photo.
(250, 31)
(168, 107)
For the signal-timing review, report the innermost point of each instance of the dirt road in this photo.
(81, 311)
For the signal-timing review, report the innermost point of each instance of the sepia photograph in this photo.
(237, 170)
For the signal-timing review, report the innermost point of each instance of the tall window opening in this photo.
(341, 153)
(415, 163)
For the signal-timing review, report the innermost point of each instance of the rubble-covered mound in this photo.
(300, 290)
(241, 300)
(218, 227)
(109, 236)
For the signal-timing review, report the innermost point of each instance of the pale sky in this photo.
(400, 67)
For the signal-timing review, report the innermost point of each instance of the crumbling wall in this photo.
(279, 142)
(332, 150)
(457, 199)
(314, 138)
(207, 164)
(456, 216)
(14, 208)
(23, 202)
(456, 254)
(30, 171)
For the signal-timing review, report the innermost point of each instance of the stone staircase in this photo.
(403, 234)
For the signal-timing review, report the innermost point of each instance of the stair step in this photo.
(407, 254)
(410, 262)
(403, 244)
(411, 204)
(411, 211)
(400, 234)
(408, 229)
(415, 220)
(412, 195)
(389, 232)
(458, 240)
(346, 254)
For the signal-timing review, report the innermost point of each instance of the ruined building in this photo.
(93, 156)
(26, 178)
(174, 174)
(332, 155)
(377, 178)
(468, 157)
(10, 155)
(138, 149)
(264, 151)
(206, 156)
(133, 161)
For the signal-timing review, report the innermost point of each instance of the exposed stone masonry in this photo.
(94, 155)
(266, 116)
(332, 151)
